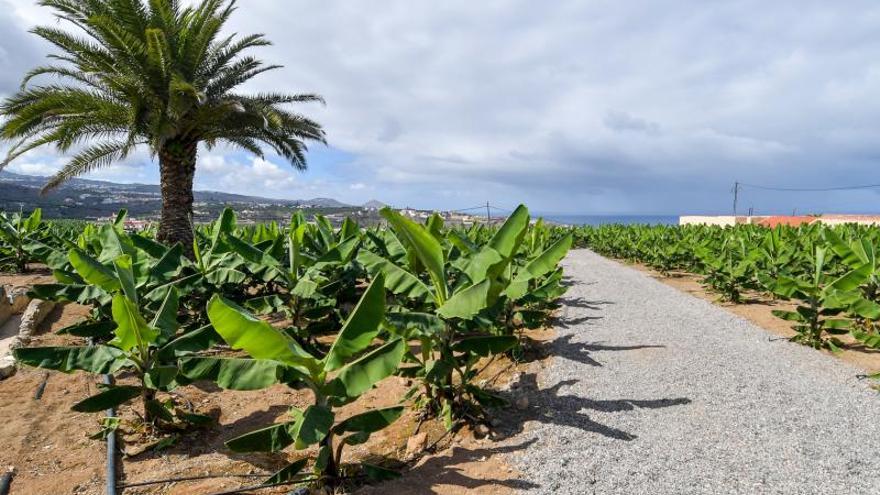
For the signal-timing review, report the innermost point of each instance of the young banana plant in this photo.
(306, 287)
(148, 350)
(350, 368)
(822, 300)
(860, 255)
(776, 257)
(89, 276)
(16, 232)
(535, 283)
(729, 272)
(448, 300)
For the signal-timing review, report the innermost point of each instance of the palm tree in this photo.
(157, 74)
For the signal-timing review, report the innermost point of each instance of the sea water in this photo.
(611, 219)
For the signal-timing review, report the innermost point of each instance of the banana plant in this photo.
(350, 368)
(16, 232)
(776, 256)
(89, 275)
(452, 341)
(535, 284)
(145, 349)
(821, 302)
(860, 256)
(304, 285)
(213, 259)
(730, 271)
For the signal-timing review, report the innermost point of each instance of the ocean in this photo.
(611, 219)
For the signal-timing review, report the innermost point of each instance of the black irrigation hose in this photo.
(254, 487)
(38, 394)
(6, 482)
(191, 478)
(111, 439)
(111, 446)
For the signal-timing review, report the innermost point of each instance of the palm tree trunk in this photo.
(177, 167)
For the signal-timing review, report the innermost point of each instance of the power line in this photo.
(808, 189)
(482, 207)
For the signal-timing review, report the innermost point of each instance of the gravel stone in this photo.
(653, 391)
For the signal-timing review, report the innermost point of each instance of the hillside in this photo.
(375, 204)
(84, 198)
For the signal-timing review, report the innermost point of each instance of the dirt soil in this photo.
(50, 449)
(38, 275)
(758, 309)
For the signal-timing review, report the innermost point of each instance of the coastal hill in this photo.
(374, 204)
(90, 199)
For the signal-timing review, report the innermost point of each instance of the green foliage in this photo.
(157, 74)
(442, 302)
(831, 273)
(19, 236)
(341, 376)
(145, 349)
(474, 280)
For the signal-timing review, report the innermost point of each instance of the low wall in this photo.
(720, 220)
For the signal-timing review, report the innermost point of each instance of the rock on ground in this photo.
(16, 331)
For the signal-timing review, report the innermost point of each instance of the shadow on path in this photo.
(445, 470)
(552, 407)
(581, 351)
(568, 322)
(583, 303)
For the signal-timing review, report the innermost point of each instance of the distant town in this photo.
(98, 200)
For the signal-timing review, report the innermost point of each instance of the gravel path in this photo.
(654, 391)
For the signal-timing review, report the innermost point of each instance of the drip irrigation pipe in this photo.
(111, 439)
(111, 447)
(6, 481)
(38, 394)
(253, 487)
(191, 478)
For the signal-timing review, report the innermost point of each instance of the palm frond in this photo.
(90, 159)
(149, 72)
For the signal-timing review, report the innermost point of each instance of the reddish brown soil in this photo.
(37, 275)
(49, 448)
(470, 466)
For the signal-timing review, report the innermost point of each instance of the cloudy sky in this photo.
(571, 106)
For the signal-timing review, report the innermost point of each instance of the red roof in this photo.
(785, 220)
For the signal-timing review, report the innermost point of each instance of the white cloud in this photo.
(576, 106)
(33, 168)
(256, 176)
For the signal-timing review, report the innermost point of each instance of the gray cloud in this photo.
(622, 121)
(581, 106)
(19, 51)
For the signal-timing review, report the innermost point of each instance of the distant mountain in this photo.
(325, 203)
(85, 198)
(374, 204)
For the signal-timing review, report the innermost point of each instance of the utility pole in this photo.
(488, 214)
(735, 196)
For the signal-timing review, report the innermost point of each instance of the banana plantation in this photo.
(333, 311)
(831, 274)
